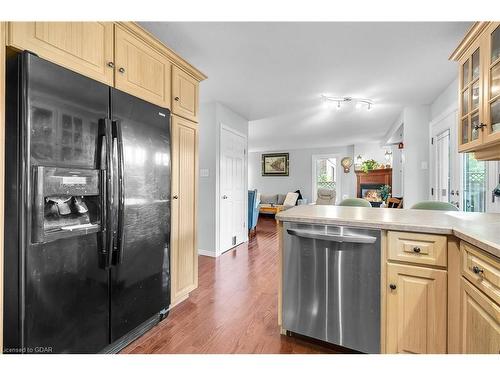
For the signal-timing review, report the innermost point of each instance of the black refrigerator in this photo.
(87, 212)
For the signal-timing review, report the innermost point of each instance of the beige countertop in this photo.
(479, 229)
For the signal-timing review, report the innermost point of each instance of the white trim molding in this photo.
(207, 253)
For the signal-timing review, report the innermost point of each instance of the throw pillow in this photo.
(291, 199)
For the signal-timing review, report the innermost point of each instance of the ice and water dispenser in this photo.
(67, 202)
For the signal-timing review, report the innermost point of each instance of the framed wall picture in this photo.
(275, 164)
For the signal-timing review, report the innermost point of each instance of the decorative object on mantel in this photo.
(401, 145)
(369, 165)
(357, 165)
(275, 164)
(388, 158)
(346, 163)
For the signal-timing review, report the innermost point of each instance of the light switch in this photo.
(204, 172)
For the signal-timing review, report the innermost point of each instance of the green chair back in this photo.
(434, 205)
(355, 202)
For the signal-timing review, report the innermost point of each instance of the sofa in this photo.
(269, 200)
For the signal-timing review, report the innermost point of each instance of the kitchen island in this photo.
(439, 275)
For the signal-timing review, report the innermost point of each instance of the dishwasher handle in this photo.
(331, 237)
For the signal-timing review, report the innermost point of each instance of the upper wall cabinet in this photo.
(478, 56)
(185, 94)
(141, 70)
(85, 47)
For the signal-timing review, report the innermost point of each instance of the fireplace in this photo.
(369, 183)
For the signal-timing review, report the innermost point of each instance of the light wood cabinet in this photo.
(480, 317)
(141, 70)
(478, 56)
(184, 254)
(416, 309)
(184, 94)
(85, 47)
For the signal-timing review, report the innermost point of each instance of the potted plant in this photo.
(384, 192)
(369, 165)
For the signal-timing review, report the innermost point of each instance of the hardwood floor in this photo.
(234, 309)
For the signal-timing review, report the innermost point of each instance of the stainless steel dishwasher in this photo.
(331, 284)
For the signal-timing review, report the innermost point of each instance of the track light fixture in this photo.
(359, 102)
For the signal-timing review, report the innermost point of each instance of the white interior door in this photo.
(445, 161)
(232, 228)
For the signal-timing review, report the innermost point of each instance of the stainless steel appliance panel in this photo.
(331, 284)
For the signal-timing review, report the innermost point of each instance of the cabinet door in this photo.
(492, 87)
(416, 310)
(471, 82)
(85, 47)
(480, 317)
(184, 254)
(141, 70)
(185, 94)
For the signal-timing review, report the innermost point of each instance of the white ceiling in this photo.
(274, 73)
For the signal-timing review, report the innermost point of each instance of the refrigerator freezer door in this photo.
(140, 280)
(61, 292)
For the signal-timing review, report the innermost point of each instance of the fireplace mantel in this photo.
(375, 177)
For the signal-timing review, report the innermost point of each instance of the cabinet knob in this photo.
(111, 64)
(416, 249)
(392, 286)
(176, 98)
(477, 270)
(121, 70)
(175, 197)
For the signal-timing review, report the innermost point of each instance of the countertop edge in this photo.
(489, 247)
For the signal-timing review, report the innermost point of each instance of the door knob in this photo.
(175, 197)
(121, 70)
(111, 64)
(176, 98)
(224, 197)
(392, 286)
(480, 126)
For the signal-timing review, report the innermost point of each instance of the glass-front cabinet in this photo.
(471, 85)
(478, 56)
(492, 94)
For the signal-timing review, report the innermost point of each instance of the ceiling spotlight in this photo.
(338, 105)
(369, 106)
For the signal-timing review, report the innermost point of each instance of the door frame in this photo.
(338, 181)
(222, 126)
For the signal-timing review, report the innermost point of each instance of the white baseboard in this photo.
(206, 253)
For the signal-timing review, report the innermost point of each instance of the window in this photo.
(324, 173)
(474, 182)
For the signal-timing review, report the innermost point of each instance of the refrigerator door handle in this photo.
(118, 243)
(105, 164)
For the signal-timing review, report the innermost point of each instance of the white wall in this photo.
(445, 101)
(212, 116)
(372, 150)
(416, 154)
(300, 172)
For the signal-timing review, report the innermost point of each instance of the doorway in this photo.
(325, 174)
(232, 191)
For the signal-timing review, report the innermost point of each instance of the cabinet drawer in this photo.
(481, 270)
(419, 248)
